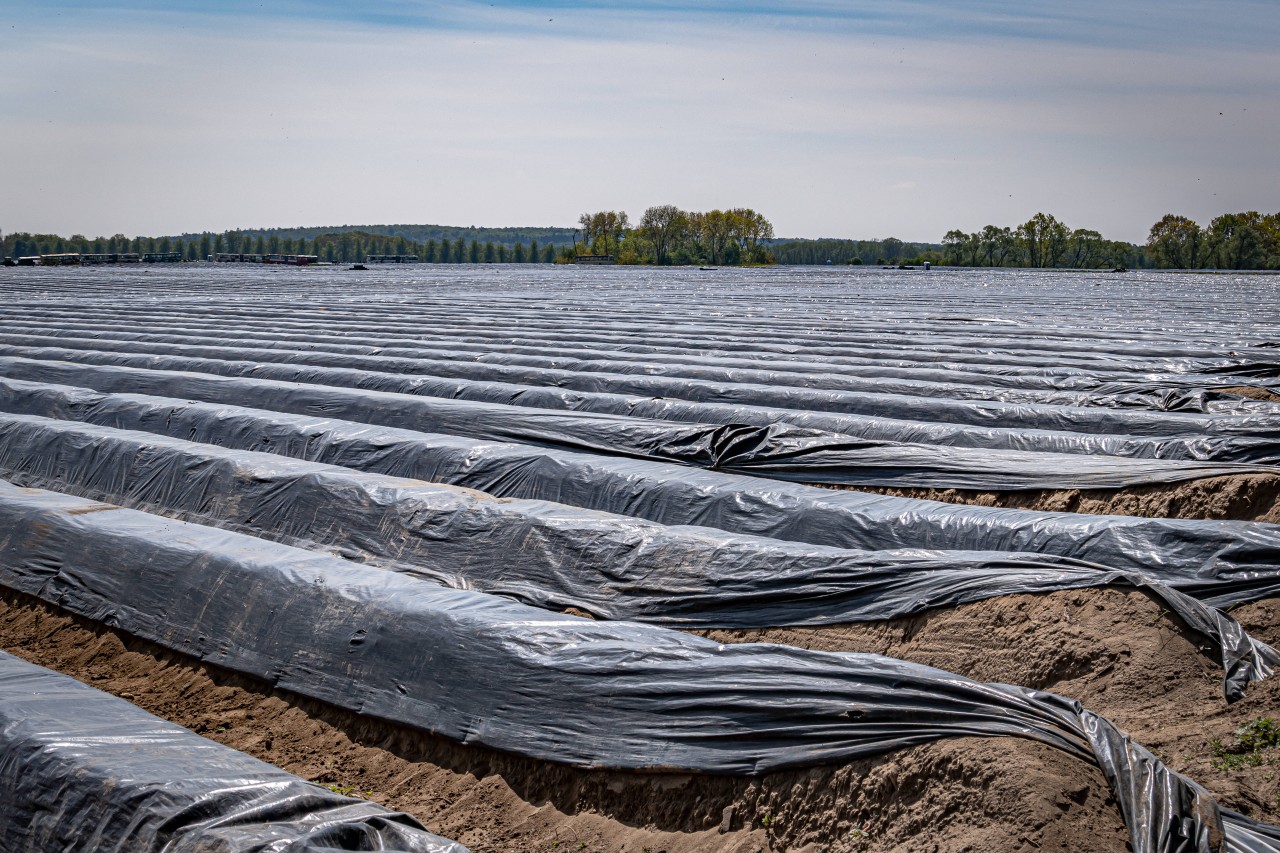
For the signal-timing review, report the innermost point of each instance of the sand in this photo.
(961, 794)
(1239, 497)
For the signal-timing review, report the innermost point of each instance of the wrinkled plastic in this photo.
(777, 451)
(326, 339)
(1222, 562)
(556, 556)
(817, 391)
(479, 669)
(83, 770)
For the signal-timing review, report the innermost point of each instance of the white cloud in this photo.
(150, 128)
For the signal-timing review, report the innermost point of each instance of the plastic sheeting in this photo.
(460, 343)
(826, 391)
(777, 451)
(83, 770)
(1200, 448)
(338, 370)
(557, 556)
(1222, 562)
(576, 338)
(481, 670)
(740, 404)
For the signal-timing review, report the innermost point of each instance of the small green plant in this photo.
(1247, 746)
(343, 790)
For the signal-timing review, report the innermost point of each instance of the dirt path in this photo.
(1241, 497)
(969, 794)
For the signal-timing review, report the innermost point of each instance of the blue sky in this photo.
(846, 119)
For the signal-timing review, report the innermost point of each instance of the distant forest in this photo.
(343, 244)
(887, 251)
(1232, 241)
(421, 234)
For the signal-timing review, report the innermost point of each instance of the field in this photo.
(548, 559)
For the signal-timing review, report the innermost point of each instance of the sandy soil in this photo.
(1241, 497)
(1253, 392)
(964, 794)
(1115, 651)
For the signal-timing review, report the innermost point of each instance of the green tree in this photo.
(1044, 239)
(1236, 240)
(664, 226)
(953, 246)
(997, 245)
(1085, 248)
(602, 231)
(747, 229)
(891, 248)
(715, 230)
(1176, 242)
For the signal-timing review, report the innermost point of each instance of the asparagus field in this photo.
(506, 558)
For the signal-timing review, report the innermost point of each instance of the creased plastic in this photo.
(1221, 562)
(479, 669)
(556, 556)
(83, 770)
(777, 451)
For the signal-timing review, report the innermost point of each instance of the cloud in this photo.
(841, 120)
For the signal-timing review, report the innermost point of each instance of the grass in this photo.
(1248, 746)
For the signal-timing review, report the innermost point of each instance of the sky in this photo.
(862, 119)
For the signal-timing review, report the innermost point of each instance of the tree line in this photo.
(890, 250)
(1041, 241)
(1232, 241)
(422, 234)
(667, 235)
(345, 247)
